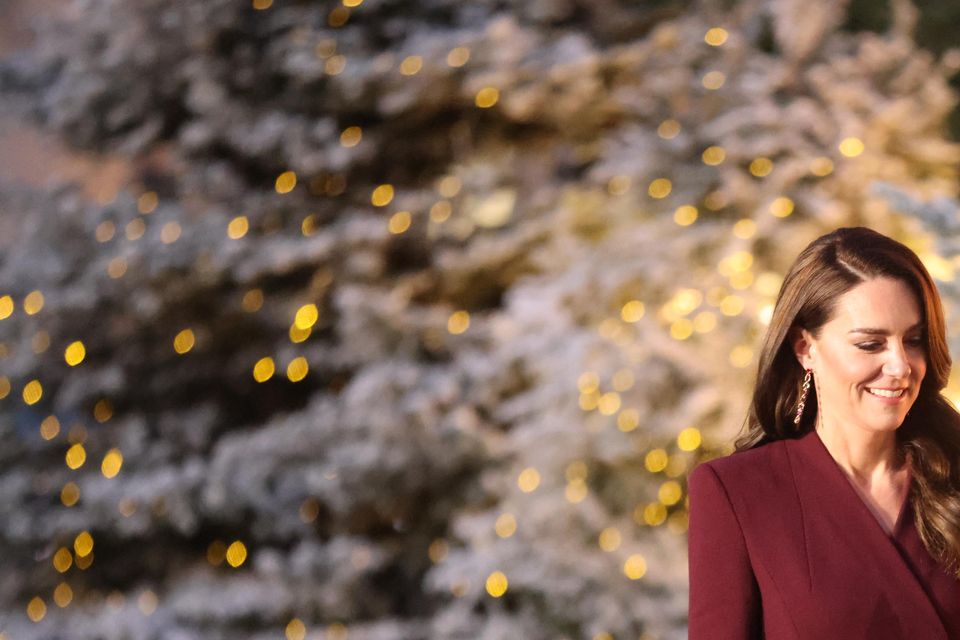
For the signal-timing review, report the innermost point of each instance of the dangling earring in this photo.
(803, 395)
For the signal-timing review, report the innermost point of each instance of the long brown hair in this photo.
(930, 434)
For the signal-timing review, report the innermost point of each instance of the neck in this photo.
(863, 454)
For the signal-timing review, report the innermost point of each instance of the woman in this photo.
(838, 514)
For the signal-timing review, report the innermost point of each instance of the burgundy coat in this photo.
(783, 547)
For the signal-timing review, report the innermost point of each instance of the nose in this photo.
(897, 364)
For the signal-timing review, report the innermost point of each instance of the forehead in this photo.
(880, 303)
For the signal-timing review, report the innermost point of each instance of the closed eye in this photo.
(917, 341)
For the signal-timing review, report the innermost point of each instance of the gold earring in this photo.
(803, 395)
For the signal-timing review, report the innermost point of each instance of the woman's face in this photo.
(870, 358)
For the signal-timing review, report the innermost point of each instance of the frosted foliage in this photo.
(425, 450)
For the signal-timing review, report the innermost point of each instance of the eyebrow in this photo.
(882, 332)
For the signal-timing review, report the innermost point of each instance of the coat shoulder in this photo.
(766, 468)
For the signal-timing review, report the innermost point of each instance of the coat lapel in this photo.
(848, 552)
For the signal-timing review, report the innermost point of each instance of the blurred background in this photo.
(380, 320)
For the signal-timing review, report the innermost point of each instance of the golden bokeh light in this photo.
(632, 311)
(668, 129)
(264, 369)
(685, 215)
(147, 202)
(74, 353)
(487, 97)
(32, 392)
(70, 494)
(506, 525)
(297, 369)
(670, 492)
(295, 630)
(689, 439)
(399, 222)
(528, 480)
(285, 182)
(458, 322)
(496, 584)
(76, 456)
(715, 36)
(238, 227)
(62, 560)
(102, 410)
(761, 167)
(851, 147)
(635, 566)
(33, 303)
(36, 609)
(184, 341)
(83, 544)
(609, 539)
(628, 420)
(50, 427)
(382, 195)
(170, 232)
(351, 136)
(236, 554)
(714, 80)
(111, 464)
(781, 207)
(135, 229)
(63, 595)
(411, 65)
(252, 300)
(714, 155)
(655, 460)
(306, 316)
(458, 56)
(660, 188)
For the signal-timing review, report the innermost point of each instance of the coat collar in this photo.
(823, 488)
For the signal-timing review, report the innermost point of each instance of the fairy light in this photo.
(635, 566)
(458, 56)
(496, 584)
(714, 156)
(6, 307)
(781, 207)
(295, 630)
(105, 231)
(135, 229)
(382, 195)
(76, 455)
(609, 539)
(618, 185)
(111, 464)
(285, 182)
(33, 303)
(70, 494)
(528, 480)
(297, 369)
(63, 595)
(655, 460)
(32, 392)
(851, 147)
(170, 232)
(458, 322)
(238, 227)
(761, 167)
(147, 202)
(715, 36)
(670, 492)
(49, 427)
(821, 166)
(660, 188)
(632, 311)
(685, 215)
(713, 80)
(264, 369)
(505, 525)
(236, 554)
(628, 420)
(399, 222)
(668, 129)
(306, 316)
(487, 97)
(411, 65)
(689, 439)
(351, 136)
(184, 341)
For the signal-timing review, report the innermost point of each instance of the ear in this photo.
(804, 347)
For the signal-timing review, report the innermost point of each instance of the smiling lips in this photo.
(887, 393)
